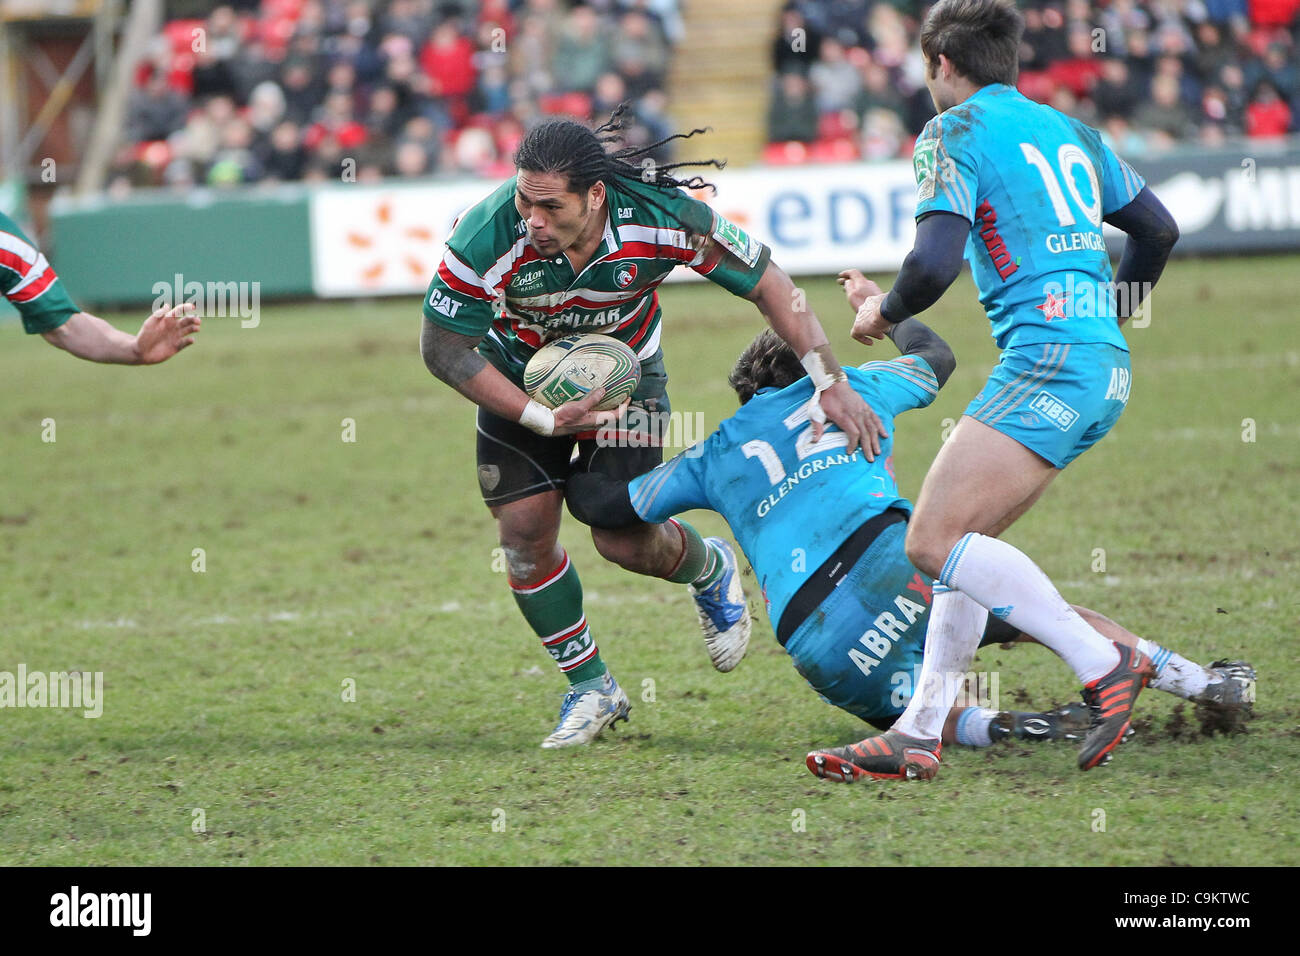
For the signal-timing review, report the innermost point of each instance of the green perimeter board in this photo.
(112, 253)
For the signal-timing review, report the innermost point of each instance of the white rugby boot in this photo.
(724, 616)
(584, 714)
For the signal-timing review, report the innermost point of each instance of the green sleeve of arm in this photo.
(29, 282)
(735, 274)
(46, 311)
(732, 257)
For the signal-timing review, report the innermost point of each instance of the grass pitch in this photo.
(226, 735)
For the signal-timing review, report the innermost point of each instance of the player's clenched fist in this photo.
(865, 298)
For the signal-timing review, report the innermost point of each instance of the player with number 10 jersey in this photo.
(1020, 191)
(1034, 185)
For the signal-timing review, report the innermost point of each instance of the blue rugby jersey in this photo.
(790, 501)
(1035, 185)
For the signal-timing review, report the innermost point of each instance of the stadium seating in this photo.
(295, 83)
(1235, 63)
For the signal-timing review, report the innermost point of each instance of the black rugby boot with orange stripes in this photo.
(887, 756)
(1111, 699)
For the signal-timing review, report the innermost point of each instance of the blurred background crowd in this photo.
(850, 79)
(313, 90)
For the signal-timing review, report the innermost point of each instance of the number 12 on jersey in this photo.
(804, 445)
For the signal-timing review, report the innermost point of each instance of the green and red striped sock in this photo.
(701, 563)
(553, 609)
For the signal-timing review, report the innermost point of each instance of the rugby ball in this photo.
(567, 369)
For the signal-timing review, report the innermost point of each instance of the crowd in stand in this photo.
(849, 78)
(319, 90)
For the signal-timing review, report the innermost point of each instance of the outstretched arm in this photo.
(912, 336)
(163, 334)
(930, 268)
(927, 272)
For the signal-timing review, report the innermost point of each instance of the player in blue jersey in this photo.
(1022, 191)
(824, 531)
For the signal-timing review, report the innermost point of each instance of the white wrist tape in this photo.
(816, 369)
(537, 417)
(815, 411)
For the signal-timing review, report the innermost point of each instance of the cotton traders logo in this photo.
(525, 279)
(625, 276)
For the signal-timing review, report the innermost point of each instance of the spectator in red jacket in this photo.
(335, 121)
(1273, 13)
(1267, 116)
(448, 60)
(1079, 71)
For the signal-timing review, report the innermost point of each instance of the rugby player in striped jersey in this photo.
(578, 241)
(29, 282)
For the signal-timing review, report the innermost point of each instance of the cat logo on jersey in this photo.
(625, 276)
(444, 304)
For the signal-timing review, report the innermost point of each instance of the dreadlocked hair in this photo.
(585, 156)
(767, 362)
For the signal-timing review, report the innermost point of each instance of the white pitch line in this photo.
(493, 605)
(1233, 432)
(1147, 580)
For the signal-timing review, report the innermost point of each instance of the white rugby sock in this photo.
(973, 727)
(1005, 580)
(1175, 674)
(951, 639)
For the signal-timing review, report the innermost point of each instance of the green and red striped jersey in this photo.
(29, 282)
(492, 283)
